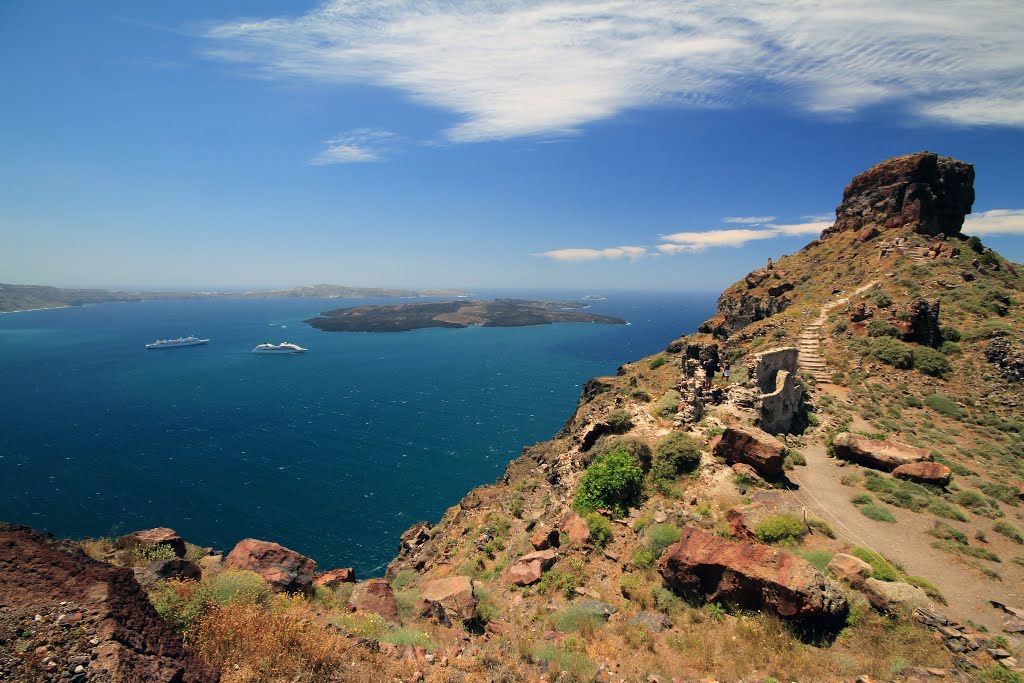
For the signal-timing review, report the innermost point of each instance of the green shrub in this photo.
(600, 529)
(657, 362)
(947, 533)
(967, 550)
(821, 526)
(881, 299)
(862, 499)
(877, 513)
(633, 445)
(928, 587)
(575, 618)
(619, 421)
(613, 481)
(880, 328)
(643, 558)
(793, 459)
(892, 352)
(881, 569)
(784, 528)
(182, 603)
(667, 405)
(1007, 494)
(675, 454)
(940, 508)
(1008, 530)
(931, 362)
(911, 402)
(819, 558)
(662, 536)
(978, 504)
(944, 406)
(949, 334)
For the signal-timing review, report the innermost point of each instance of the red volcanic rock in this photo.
(924, 473)
(375, 595)
(750, 576)
(543, 538)
(922, 192)
(158, 536)
(575, 527)
(529, 568)
(882, 455)
(335, 578)
(285, 570)
(132, 643)
(454, 594)
(756, 448)
(738, 525)
(177, 568)
(851, 569)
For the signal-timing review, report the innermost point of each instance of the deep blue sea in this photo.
(333, 453)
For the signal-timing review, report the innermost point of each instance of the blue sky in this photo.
(606, 144)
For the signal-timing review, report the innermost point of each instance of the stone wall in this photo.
(773, 372)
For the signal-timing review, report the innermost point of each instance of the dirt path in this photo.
(906, 542)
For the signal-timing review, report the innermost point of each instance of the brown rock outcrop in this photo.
(922, 192)
(884, 455)
(177, 568)
(891, 597)
(756, 448)
(921, 325)
(750, 576)
(543, 538)
(157, 536)
(575, 528)
(529, 568)
(375, 595)
(933, 473)
(285, 570)
(454, 595)
(851, 569)
(335, 578)
(132, 643)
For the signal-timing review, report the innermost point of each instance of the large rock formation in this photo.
(529, 568)
(454, 595)
(150, 537)
(924, 472)
(47, 586)
(756, 448)
(285, 570)
(884, 455)
(375, 595)
(750, 576)
(923, 192)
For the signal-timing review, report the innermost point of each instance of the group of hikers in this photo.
(711, 367)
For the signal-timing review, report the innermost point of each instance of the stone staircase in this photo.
(809, 341)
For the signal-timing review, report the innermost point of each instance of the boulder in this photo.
(851, 569)
(897, 599)
(375, 595)
(529, 568)
(177, 568)
(738, 525)
(543, 538)
(655, 622)
(157, 536)
(454, 594)
(335, 578)
(575, 527)
(884, 455)
(751, 576)
(751, 446)
(745, 470)
(933, 473)
(285, 570)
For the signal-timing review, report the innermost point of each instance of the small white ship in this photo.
(174, 343)
(283, 347)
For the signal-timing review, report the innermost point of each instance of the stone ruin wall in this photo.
(773, 372)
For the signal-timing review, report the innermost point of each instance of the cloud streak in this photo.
(536, 67)
(609, 254)
(995, 222)
(356, 146)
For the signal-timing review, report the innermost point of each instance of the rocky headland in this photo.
(456, 314)
(846, 506)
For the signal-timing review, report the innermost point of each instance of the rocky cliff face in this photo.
(924, 192)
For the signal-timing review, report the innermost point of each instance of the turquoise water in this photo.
(333, 453)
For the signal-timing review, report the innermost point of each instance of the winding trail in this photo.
(906, 542)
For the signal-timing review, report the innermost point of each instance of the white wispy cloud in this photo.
(529, 67)
(355, 146)
(751, 220)
(995, 222)
(610, 254)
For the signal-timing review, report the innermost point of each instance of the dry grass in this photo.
(287, 642)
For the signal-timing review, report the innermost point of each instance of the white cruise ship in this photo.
(174, 343)
(283, 347)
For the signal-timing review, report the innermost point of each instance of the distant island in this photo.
(497, 313)
(16, 298)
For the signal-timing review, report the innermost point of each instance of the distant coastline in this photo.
(26, 298)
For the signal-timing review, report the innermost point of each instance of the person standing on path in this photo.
(725, 372)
